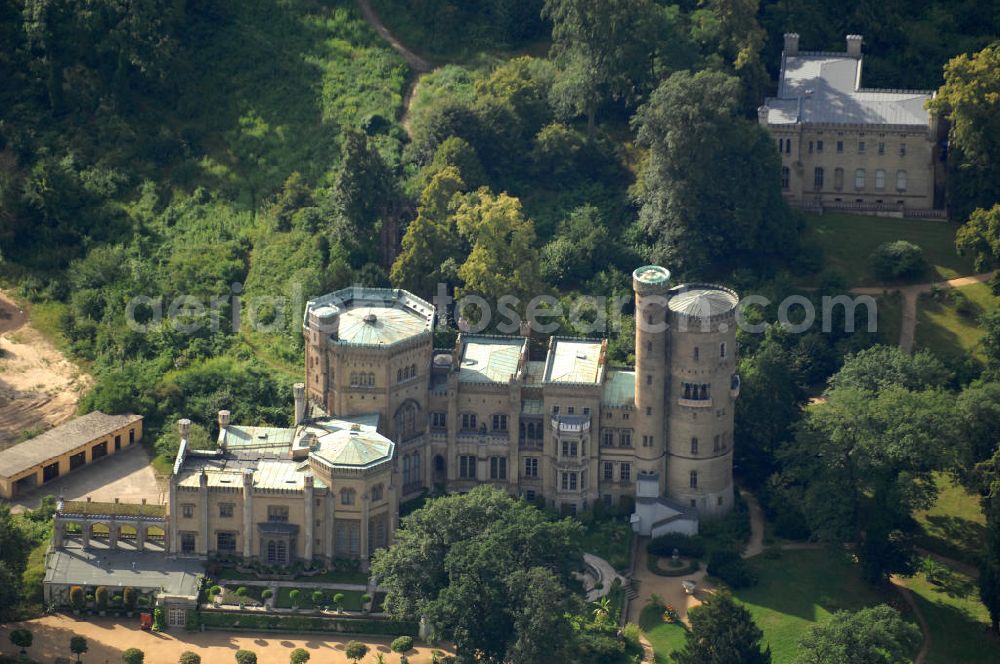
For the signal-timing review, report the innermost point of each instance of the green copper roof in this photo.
(489, 359)
(652, 274)
(373, 325)
(619, 388)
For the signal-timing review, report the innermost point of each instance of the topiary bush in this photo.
(129, 598)
(402, 644)
(897, 260)
(687, 545)
(354, 650)
(246, 657)
(299, 656)
(317, 598)
(101, 597)
(188, 657)
(133, 656)
(76, 597)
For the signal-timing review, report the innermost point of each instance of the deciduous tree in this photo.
(722, 632)
(877, 634)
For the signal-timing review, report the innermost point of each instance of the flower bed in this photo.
(686, 566)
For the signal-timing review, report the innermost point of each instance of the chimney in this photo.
(854, 46)
(223, 419)
(184, 426)
(791, 43)
(299, 390)
(762, 113)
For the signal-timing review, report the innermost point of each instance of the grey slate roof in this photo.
(60, 440)
(825, 88)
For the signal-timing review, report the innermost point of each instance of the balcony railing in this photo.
(694, 403)
(570, 423)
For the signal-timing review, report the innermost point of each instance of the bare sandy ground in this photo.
(39, 387)
(107, 639)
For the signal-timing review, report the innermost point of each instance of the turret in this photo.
(652, 287)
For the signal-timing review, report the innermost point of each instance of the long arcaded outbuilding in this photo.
(65, 448)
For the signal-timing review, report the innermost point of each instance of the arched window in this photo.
(371, 379)
(722, 350)
(900, 180)
(786, 178)
(406, 420)
(694, 445)
(693, 481)
(859, 179)
(704, 392)
(687, 390)
(415, 468)
(377, 492)
(818, 177)
(879, 180)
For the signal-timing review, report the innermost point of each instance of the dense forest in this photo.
(246, 148)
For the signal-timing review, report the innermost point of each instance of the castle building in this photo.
(384, 416)
(844, 146)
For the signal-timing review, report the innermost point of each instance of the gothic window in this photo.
(377, 492)
(818, 178)
(406, 420)
(722, 350)
(786, 178)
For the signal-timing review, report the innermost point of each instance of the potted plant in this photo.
(101, 599)
(338, 601)
(317, 599)
(21, 638)
(129, 599)
(76, 599)
(241, 595)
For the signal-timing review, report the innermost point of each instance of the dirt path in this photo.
(107, 639)
(416, 62)
(39, 387)
(756, 544)
(911, 294)
(925, 629)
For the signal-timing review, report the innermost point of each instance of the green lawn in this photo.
(945, 329)
(352, 598)
(664, 637)
(848, 240)
(802, 588)
(336, 576)
(609, 539)
(958, 622)
(955, 526)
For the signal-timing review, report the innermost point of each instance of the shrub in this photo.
(214, 591)
(355, 650)
(116, 599)
(299, 656)
(21, 638)
(101, 597)
(692, 547)
(267, 594)
(129, 598)
(293, 597)
(246, 657)
(897, 260)
(317, 598)
(157, 619)
(402, 644)
(366, 598)
(78, 646)
(242, 591)
(338, 600)
(188, 657)
(631, 633)
(76, 597)
(133, 656)
(729, 566)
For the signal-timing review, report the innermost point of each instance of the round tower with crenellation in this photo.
(702, 389)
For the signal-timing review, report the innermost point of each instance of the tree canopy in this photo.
(489, 572)
(874, 635)
(722, 632)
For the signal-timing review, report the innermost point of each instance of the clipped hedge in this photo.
(687, 545)
(298, 623)
(689, 567)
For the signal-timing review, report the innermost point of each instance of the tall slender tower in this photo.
(651, 286)
(703, 387)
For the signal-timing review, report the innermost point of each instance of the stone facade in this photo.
(384, 416)
(847, 147)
